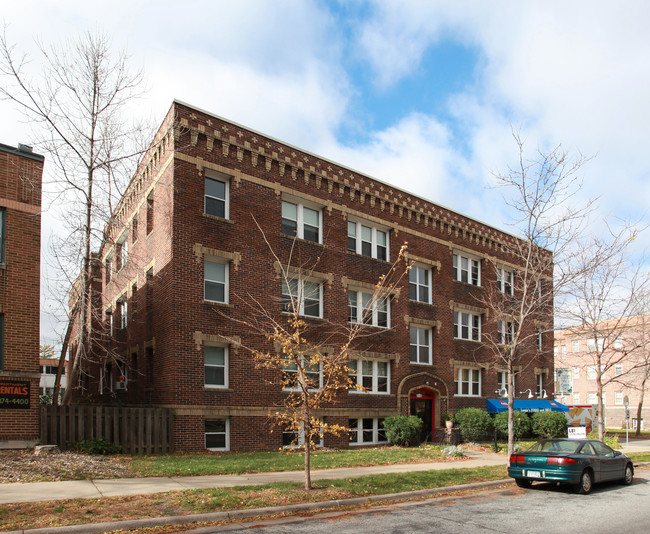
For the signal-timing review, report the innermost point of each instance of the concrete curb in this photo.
(256, 512)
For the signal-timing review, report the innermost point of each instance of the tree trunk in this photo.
(511, 405)
(639, 409)
(64, 352)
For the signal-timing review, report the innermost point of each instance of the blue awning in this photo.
(528, 406)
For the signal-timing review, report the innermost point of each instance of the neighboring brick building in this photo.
(625, 355)
(186, 257)
(20, 251)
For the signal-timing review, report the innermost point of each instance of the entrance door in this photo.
(422, 405)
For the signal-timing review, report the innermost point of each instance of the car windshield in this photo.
(556, 446)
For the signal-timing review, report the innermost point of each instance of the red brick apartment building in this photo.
(623, 347)
(187, 259)
(20, 252)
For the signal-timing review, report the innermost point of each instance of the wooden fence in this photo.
(136, 430)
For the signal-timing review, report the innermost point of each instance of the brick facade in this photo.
(160, 353)
(20, 202)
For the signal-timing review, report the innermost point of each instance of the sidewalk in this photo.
(86, 489)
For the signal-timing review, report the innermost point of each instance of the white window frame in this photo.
(475, 377)
(286, 368)
(505, 332)
(416, 274)
(502, 382)
(298, 299)
(592, 398)
(618, 369)
(359, 432)
(558, 381)
(540, 385)
(216, 176)
(575, 345)
(576, 398)
(618, 342)
(576, 373)
(226, 434)
(356, 233)
(418, 345)
(225, 282)
(540, 340)
(122, 304)
(505, 281)
(376, 307)
(298, 438)
(468, 267)
(299, 221)
(564, 352)
(591, 372)
(225, 366)
(618, 398)
(357, 374)
(473, 331)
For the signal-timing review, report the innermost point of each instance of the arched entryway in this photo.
(423, 404)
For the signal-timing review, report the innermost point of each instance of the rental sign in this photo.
(14, 394)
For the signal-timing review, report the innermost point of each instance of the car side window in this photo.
(587, 449)
(603, 449)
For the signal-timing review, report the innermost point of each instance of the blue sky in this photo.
(421, 94)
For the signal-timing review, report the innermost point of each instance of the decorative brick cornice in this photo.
(201, 339)
(201, 252)
(458, 306)
(299, 272)
(367, 355)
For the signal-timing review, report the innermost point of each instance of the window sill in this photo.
(367, 257)
(217, 303)
(468, 340)
(419, 363)
(469, 396)
(357, 392)
(217, 218)
(302, 240)
(209, 387)
(468, 283)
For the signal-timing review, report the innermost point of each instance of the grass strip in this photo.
(272, 461)
(81, 511)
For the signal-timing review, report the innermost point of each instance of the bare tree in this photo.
(546, 220)
(76, 104)
(604, 310)
(310, 362)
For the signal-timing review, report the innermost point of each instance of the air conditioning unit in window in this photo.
(121, 385)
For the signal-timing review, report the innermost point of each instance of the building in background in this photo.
(21, 173)
(48, 369)
(625, 349)
(196, 247)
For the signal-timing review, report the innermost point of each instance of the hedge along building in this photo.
(21, 172)
(200, 239)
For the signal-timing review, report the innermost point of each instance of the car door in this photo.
(593, 460)
(612, 465)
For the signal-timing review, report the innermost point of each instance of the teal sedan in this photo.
(580, 462)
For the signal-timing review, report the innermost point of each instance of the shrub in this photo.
(611, 440)
(403, 430)
(522, 424)
(475, 424)
(550, 424)
(97, 446)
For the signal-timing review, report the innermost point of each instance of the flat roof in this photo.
(22, 150)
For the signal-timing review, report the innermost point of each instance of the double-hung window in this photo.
(502, 383)
(420, 284)
(217, 434)
(301, 221)
(505, 281)
(311, 370)
(420, 345)
(468, 382)
(367, 240)
(123, 311)
(467, 269)
(364, 308)
(505, 331)
(373, 376)
(217, 187)
(215, 286)
(467, 326)
(216, 366)
(302, 296)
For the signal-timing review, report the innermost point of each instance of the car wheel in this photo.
(586, 483)
(523, 483)
(629, 475)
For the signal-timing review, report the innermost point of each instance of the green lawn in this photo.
(235, 463)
